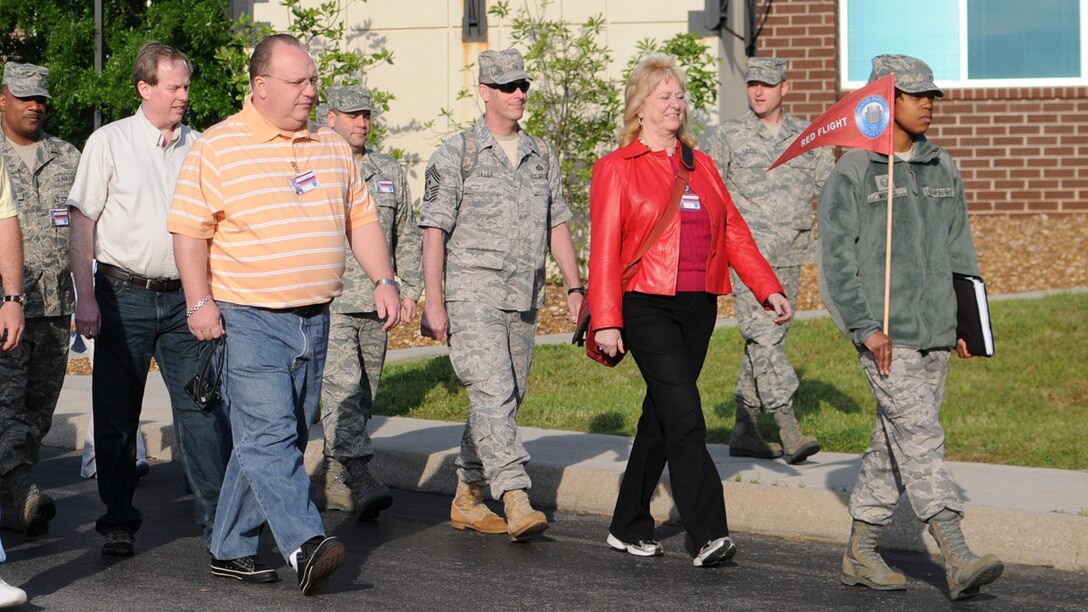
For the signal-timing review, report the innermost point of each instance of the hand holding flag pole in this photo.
(864, 119)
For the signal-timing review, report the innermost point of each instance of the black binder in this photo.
(973, 314)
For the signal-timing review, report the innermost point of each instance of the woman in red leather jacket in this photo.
(666, 313)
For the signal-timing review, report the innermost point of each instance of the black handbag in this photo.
(204, 386)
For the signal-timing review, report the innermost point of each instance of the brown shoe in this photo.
(522, 522)
(468, 511)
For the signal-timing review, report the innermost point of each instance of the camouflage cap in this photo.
(912, 75)
(500, 67)
(769, 70)
(350, 99)
(26, 80)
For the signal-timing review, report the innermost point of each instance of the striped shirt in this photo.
(270, 245)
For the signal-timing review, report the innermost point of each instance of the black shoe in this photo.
(119, 543)
(246, 569)
(319, 559)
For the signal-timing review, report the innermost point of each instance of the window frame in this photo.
(1081, 81)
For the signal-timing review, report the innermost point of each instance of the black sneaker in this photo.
(119, 543)
(319, 559)
(246, 569)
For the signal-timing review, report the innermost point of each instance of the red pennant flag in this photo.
(862, 120)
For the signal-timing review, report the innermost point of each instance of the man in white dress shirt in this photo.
(133, 305)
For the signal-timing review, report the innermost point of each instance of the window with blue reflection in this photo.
(926, 29)
(1013, 39)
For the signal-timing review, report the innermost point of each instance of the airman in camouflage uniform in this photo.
(906, 362)
(357, 343)
(492, 207)
(777, 206)
(41, 168)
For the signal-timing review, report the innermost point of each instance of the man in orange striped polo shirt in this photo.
(259, 216)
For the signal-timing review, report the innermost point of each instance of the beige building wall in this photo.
(430, 58)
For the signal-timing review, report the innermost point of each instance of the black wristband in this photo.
(581, 290)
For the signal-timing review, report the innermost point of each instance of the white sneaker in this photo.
(714, 552)
(643, 548)
(10, 596)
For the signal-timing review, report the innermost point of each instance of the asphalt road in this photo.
(411, 559)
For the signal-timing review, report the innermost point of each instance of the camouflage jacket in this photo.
(47, 278)
(497, 220)
(387, 184)
(777, 205)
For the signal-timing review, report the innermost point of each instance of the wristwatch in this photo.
(574, 290)
(388, 281)
(18, 299)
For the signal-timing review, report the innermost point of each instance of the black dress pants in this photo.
(668, 338)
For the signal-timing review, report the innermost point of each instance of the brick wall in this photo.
(1019, 150)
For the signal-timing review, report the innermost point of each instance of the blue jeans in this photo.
(270, 388)
(136, 324)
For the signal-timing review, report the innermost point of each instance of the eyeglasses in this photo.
(299, 84)
(509, 88)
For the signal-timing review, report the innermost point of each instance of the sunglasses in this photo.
(509, 88)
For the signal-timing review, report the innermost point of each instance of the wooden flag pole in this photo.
(888, 239)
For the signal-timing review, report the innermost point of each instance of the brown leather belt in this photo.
(122, 274)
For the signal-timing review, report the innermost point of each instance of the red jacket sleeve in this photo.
(607, 197)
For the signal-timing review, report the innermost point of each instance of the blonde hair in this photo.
(644, 79)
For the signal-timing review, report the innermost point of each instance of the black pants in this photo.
(668, 338)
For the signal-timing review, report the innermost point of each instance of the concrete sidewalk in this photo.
(1024, 515)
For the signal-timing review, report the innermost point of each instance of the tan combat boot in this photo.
(966, 572)
(861, 564)
(469, 511)
(796, 447)
(329, 489)
(522, 522)
(745, 440)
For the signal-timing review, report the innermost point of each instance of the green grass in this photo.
(1026, 406)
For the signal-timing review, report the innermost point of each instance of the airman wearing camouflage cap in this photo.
(492, 208)
(41, 168)
(906, 357)
(912, 75)
(357, 344)
(26, 80)
(501, 67)
(351, 99)
(769, 70)
(777, 206)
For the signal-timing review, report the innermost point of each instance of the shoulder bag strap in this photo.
(687, 159)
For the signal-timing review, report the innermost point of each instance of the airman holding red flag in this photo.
(906, 362)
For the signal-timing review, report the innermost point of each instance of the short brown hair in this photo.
(262, 53)
(145, 68)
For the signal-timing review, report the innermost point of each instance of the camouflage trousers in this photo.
(906, 451)
(491, 351)
(31, 376)
(767, 379)
(353, 368)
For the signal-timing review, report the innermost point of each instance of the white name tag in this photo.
(689, 201)
(304, 182)
(58, 217)
(384, 186)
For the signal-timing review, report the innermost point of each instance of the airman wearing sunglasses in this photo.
(492, 207)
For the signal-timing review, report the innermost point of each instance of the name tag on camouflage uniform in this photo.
(384, 185)
(58, 217)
